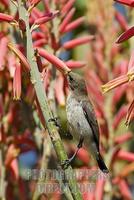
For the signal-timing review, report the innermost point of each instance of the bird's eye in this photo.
(71, 79)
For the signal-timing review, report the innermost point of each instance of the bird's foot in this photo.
(66, 163)
(55, 120)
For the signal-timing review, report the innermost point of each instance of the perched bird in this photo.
(82, 122)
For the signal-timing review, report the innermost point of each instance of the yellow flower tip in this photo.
(14, 23)
(30, 8)
(66, 71)
(34, 27)
(130, 76)
(20, 55)
(104, 89)
(16, 98)
(16, 152)
(10, 45)
(62, 105)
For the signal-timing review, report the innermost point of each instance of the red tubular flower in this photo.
(66, 20)
(40, 42)
(37, 35)
(34, 2)
(36, 13)
(130, 113)
(17, 83)
(122, 68)
(92, 75)
(6, 18)
(46, 18)
(75, 64)
(121, 20)
(74, 24)
(119, 116)
(83, 156)
(131, 63)
(118, 93)
(3, 50)
(15, 169)
(126, 2)
(54, 60)
(47, 7)
(99, 61)
(127, 169)
(115, 83)
(123, 138)
(59, 90)
(89, 194)
(124, 189)
(79, 41)
(11, 64)
(114, 50)
(19, 54)
(67, 7)
(56, 194)
(126, 35)
(99, 188)
(30, 94)
(124, 155)
(5, 3)
(95, 91)
(1, 35)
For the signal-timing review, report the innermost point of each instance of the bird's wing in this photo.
(69, 131)
(90, 117)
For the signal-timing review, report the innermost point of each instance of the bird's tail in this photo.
(101, 164)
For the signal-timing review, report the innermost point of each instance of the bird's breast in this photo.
(76, 117)
(78, 123)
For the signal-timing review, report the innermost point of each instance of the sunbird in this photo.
(82, 122)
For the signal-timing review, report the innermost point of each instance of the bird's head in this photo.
(76, 83)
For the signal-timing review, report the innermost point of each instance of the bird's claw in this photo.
(55, 120)
(66, 163)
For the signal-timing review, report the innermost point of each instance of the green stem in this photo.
(44, 164)
(41, 95)
(2, 177)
